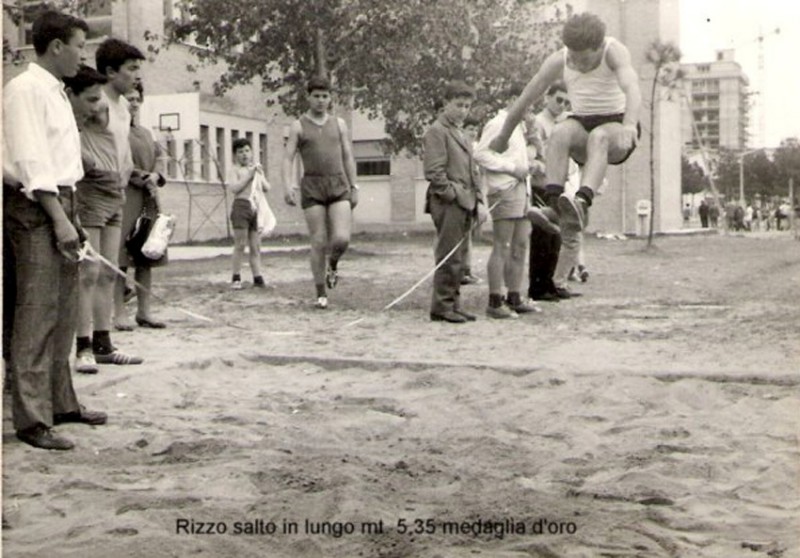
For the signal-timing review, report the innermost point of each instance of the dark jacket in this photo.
(449, 167)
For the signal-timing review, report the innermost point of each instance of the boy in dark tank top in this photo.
(327, 189)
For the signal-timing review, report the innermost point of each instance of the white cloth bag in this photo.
(156, 244)
(265, 218)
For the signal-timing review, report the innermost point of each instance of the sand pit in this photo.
(655, 416)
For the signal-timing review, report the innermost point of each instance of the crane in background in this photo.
(761, 92)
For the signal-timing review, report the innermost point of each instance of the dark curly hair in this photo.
(583, 31)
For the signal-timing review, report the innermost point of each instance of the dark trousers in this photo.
(542, 263)
(452, 224)
(45, 309)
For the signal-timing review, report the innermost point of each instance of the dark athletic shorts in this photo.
(592, 121)
(243, 215)
(323, 190)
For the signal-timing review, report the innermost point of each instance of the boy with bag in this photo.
(251, 215)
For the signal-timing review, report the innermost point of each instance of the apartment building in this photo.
(718, 103)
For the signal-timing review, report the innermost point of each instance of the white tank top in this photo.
(596, 91)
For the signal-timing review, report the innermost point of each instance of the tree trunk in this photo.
(321, 58)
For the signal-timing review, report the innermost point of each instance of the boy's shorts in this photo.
(592, 121)
(323, 190)
(243, 215)
(100, 200)
(513, 202)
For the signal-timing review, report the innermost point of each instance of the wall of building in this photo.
(637, 23)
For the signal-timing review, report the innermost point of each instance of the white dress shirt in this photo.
(41, 144)
(499, 167)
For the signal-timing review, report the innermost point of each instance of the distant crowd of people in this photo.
(752, 217)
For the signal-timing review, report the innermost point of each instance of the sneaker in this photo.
(236, 286)
(573, 211)
(117, 357)
(583, 274)
(86, 363)
(501, 312)
(321, 303)
(331, 278)
(526, 307)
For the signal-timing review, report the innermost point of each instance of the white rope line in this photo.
(92, 254)
(416, 285)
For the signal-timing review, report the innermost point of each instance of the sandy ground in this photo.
(655, 416)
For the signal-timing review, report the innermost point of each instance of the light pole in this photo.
(741, 174)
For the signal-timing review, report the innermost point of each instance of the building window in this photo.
(188, 159)
(234, 135)
(172, 162)
(205, 157)
(262, 150)
(221, 153)
(96, 13)
(371, 160)
(374, 168)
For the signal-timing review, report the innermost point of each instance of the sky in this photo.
(710, 25)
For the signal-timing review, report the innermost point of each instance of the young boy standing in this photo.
(454, 199)
(328, 192)
(243, 178)
(106, 151)
(506, 185)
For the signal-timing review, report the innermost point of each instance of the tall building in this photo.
(717, 93)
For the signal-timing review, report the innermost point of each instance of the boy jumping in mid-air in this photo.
(603, 129)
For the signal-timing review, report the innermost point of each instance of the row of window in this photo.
(206, 160)
(706, 84)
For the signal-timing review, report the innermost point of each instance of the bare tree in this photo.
(665, 57)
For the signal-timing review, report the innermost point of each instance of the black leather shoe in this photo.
(548, 296)
(448, 316)
(467, 315)
(563, 293)
(42, 437)
(94, 418)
